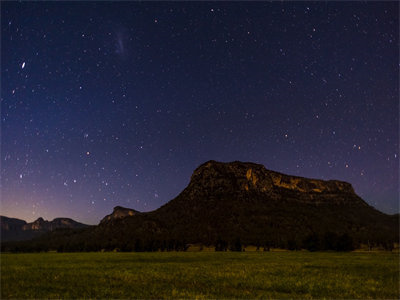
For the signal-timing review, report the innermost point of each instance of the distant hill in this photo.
(229, 202)
(16, 230)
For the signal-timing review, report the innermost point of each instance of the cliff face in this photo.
(44, 225)
(39, 224)
(10, 224)
(245, 179)
(15, 229)
(119, 212)
(254, 176)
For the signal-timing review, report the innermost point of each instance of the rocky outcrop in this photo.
(11, 224)
(15, 229)
(243, 178)
(44, 225)
(119, 212)
(39, 224)
(254, 176)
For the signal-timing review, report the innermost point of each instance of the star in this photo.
(106, 103)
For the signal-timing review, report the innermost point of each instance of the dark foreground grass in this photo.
(200, 275)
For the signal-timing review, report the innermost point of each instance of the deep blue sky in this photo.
(106, 104)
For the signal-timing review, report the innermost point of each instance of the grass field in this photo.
(200, 275)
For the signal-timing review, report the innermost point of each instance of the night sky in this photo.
(106, 104)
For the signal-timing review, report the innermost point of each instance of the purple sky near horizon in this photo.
(116, 103)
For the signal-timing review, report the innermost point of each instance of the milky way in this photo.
(106, 104)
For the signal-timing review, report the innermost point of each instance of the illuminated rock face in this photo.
(310, 185)
(250, 177)
(15, 229)
(36, 225)
(9, 224)
(43, 225)
(119, 212)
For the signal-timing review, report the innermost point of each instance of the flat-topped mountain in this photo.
(16, 229)
(240, 200)
(247, 201)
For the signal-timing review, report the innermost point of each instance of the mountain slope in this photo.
(250, 197)
(247, 201)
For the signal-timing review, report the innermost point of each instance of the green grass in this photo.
(200, 275)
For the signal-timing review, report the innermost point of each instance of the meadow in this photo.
(247, 275)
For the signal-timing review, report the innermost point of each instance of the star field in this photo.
(106, 104)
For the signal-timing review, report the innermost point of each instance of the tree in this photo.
(329, 241)
(236, 245)
(388, 246)
(345, 243)
(292, 245)
(221, 245)
(138, 245)
(311, 242)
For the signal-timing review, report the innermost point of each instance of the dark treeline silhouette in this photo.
(86, 242)
(235, 245)
(137, 245)
(328, 241)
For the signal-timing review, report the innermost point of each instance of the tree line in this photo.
(313, 242)
(85, 240)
